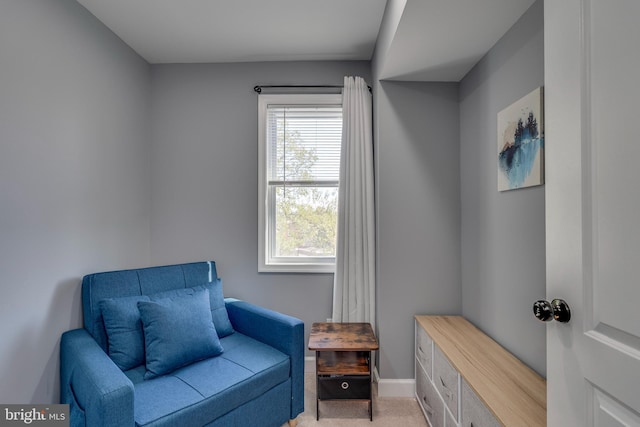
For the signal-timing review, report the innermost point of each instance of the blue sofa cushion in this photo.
(206, 390)
(124, 330)
(178, 331)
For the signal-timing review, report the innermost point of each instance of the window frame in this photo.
(266, 221)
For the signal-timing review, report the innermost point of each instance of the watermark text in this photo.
(36, 415)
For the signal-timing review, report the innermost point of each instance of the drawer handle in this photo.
(344, 385)
(427, 407)
(448, 392)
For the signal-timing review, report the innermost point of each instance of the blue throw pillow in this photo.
(177, 331)
(219, 310)
(219, 313)
(125, 342)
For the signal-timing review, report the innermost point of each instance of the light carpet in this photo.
(387, 411)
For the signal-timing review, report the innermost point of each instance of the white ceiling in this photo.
(169, 31)
(438, 40)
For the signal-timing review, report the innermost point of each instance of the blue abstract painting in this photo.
(521, 143)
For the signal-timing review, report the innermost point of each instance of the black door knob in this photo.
(542, 310)
(557, 309)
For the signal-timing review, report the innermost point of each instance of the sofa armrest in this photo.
(98, 392)
(280, 331)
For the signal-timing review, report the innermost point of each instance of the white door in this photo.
(592, 142)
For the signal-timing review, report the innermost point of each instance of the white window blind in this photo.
(304, 144)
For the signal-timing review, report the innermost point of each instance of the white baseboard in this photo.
(386, 387)
(310, 364)
(395, 387)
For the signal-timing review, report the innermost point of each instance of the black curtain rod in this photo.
(258, 88)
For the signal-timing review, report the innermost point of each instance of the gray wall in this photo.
(503, 233)
(74, 186)
(205, 180)
(418, 213)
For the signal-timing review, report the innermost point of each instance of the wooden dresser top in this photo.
(515, 394)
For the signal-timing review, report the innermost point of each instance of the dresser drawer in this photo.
(474, 412)
(445, 377)
(423, 349)
(344, 387)
(429, 400)
(448, 420)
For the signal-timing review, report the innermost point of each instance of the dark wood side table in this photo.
(343, 361)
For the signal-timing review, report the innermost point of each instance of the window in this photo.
(299, 140)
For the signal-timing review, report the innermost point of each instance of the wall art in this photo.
(521, 143)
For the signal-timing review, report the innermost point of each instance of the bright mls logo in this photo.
(37, 415)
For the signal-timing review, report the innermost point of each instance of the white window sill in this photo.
(296, 268)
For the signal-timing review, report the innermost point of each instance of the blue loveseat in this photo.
(162, 347)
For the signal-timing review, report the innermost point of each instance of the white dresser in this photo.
(464, 378)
